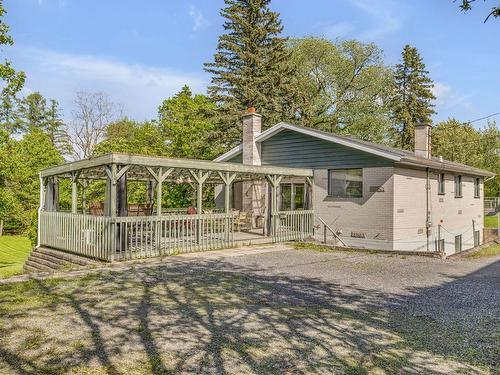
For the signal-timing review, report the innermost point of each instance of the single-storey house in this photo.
(286, 183)
(366, 194)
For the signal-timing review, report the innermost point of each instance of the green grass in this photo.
(491, 221)
(486, 252)
(13, 252)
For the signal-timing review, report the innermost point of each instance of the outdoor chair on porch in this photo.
(242, 220)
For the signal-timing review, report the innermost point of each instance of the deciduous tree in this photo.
(94, 111)
(341, 87)
(461, 142)
(466, 5)
(187, 125)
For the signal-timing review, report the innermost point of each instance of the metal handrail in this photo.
(326, 226)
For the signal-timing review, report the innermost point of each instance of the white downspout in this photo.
(428, 222)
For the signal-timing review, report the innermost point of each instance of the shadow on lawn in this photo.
(215, 317)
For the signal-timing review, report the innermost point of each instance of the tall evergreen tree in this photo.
(34, 112)
(412, 102)
(250, 67)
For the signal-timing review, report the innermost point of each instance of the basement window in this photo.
(458, 243)
(441, 183)
(345, 183)
(477, 187)
(458, 186)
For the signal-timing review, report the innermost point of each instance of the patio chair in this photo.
(243, 220)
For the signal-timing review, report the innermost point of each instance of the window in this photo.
(345, 183)
(292, 197)
(458, 243)
(458, 186)
(477, 187)
(441, 183)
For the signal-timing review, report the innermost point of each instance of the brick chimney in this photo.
(423, 140)
(252, 197)
(251, 129)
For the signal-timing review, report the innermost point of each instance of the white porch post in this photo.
(200, 177)
(74, 191)
(41, 207)
(274, 181)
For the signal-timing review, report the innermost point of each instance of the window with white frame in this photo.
(345, 183)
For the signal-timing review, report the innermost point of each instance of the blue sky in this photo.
(141, 52)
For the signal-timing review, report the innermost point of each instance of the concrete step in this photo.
(45, 259)
(30, 269)
(38, 267)
(39, 259)
(48, 257)
(67, 257)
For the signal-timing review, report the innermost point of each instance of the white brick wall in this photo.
(454, 215)
(370, 215)
(395, 219)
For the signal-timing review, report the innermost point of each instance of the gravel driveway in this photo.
(278, 310)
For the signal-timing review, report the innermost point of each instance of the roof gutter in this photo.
(439, 166)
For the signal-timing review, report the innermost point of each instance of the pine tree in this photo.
(250, 68)
(35, 113)
(412, 102)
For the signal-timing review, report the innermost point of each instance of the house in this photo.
(286, 183)
(365, 194)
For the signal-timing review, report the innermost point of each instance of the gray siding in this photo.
(292, 149)
(236, 159)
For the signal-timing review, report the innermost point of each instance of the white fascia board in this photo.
(228, 155)
(330, 138)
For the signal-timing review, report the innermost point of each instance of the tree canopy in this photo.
(187, 126)
(466, 5)
(462, 143)
(342, 87)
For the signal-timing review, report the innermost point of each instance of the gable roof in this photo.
(401, 157)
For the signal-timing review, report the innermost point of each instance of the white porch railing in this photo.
(292, 225)
(123, 238)
(81, 234)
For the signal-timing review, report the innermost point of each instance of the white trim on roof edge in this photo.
(330, 138)
(228, 155)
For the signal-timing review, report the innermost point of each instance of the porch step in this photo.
(45, 259)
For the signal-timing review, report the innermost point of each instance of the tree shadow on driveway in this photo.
(216, 317)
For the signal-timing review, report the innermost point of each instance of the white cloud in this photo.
(140, 89)
(386, 17)
(199, 20)
(62, 3)
(338, 30)
(441, 91)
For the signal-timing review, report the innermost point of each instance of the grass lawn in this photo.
(13, 252)
(486, 252)
(491, 221)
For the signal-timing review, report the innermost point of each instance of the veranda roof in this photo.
(92, 168)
